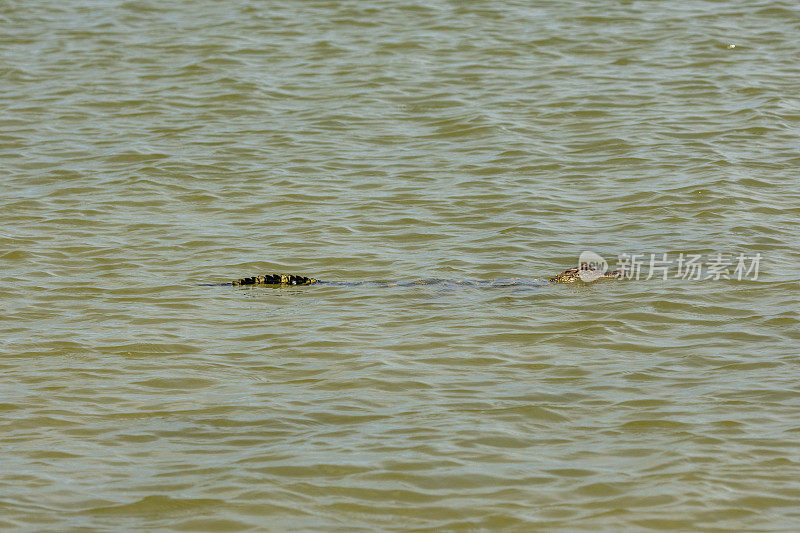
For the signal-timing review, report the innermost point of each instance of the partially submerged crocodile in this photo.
(584, 272)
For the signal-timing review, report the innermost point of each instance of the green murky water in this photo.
(149, 147)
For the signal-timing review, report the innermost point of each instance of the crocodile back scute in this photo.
(275, 279)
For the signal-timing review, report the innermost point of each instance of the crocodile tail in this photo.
(275, 279)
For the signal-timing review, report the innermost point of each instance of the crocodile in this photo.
(584, 272)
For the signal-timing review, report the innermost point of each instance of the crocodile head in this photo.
(574, 274)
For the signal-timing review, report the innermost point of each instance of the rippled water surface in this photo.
(149, 148)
